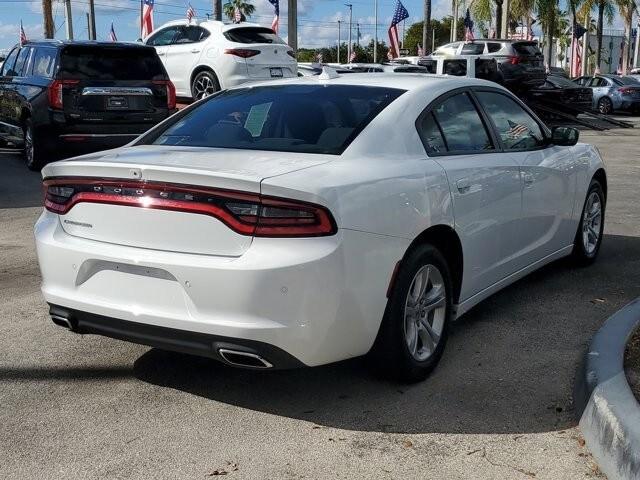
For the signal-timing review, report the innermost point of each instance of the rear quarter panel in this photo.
(589, 162)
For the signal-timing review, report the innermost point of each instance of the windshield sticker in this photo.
(256, 118)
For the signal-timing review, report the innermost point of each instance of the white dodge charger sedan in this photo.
(316, 219)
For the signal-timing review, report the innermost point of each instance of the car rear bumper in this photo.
(629, 105)
(319, 300)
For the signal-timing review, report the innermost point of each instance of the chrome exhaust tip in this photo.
(62, 321)
(244, 359)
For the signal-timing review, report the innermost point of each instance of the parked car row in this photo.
(612, 92)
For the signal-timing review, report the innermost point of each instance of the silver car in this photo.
(613, 92)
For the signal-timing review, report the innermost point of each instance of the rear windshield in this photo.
(252, 35)
(626, 81)
(526, 48)
(289, 118)
(111, 63)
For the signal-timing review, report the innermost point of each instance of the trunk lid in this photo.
(529, 54)
(200, 176)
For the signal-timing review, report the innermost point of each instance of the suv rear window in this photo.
(527, 48)
(252, 35)
(284, 118)
(111, 63)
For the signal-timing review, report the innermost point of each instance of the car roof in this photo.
(411, 82)
(81, 43)
(212, 25)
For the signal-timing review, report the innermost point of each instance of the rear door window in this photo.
(44, 61)
(493, 47)
(526, 48)
(461, 125)
(291, 118)
(252, 35)
(111, 63)
(22, 62)
(190, 34)
(7, 66)
(472, 49)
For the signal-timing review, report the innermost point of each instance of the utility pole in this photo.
(217, 10)
(504, 21)
(426, 26)
(88, 26)
(350, 26)
(635, 53)
(358, 34)
(375, 37)
(68, 19)
(454, 21)
(92, 15)
(48, 19)
(292, 17)
(585, 47)
(339, 40)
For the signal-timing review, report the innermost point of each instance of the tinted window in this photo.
(526, 48)
(110, 63)
(430, 65)
(431, 135)
(472, 49)
(461, 125)
(21, 61)
(252, 35)
(626, 81)
(163, 37)
(560, 81)
(291, 118)
(493, 47)
(582, 81)
(449, 49)
(598, 82)
(517, 129)
(7, 66)
(190, 34)
(43, 62)
(454, 67)
(487, 69)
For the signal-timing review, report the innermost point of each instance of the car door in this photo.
(7, 98)
(548, 177)
(485, 187)
(161, 40)
(600, 89)
(182, 56)
(12, 100)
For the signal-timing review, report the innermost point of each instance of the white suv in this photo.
(204, 57)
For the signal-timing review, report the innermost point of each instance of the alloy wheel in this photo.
(203, 87)
(592, 223)
(604, 106)
(425, 312)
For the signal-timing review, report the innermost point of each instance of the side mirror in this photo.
(564, 136)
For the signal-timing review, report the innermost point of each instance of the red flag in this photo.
(23, 36)
(399, 15)
(147, 17)
(191, 13)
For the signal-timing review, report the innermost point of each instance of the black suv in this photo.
(83, 96)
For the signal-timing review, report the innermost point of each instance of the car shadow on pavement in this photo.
(508, 368)
(19, 187)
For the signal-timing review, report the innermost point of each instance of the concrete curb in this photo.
(609, 412)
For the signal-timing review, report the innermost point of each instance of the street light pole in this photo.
(350, 24)
(375, 37)
(292, 23)
(68, 19)
(339, 41)
(635, 53)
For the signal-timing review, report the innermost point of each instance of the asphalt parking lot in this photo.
(498, 406)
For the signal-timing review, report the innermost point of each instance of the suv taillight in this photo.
(245, 213)
(242, 52)
(171, 92)
(54, 92)
(514, 59)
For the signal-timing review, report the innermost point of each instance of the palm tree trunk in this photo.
(426, 28)
(599, 35)
(499, 32)
(626, 57)
(550, 39)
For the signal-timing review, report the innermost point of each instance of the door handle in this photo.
(195, 50)
(463, 185)
(527, 178)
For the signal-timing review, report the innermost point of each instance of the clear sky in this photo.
(317, 19)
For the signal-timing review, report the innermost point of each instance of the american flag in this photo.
(237, 15)
(420, 50)
(352, 57)
(191, 13)
(23, 36)
(468, 27)
(112, 34)
(394, 44)
(276, 19)
(147, 17)
(319, 57)
(576, 50)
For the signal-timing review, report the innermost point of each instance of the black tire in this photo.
(33, 149)
(605, 106)
(204, 84)
(585, 252)
(391, 353)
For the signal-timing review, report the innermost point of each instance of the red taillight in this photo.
(245, 213)
(626, 90)
(55, 92)
(171, 92)
(242, 52)
(514, 59)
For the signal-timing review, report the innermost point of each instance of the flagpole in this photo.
(141, 20)
(375, 42)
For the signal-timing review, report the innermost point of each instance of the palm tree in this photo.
(246, 9)
(605, 9)
(547, 11)
(627, 9)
